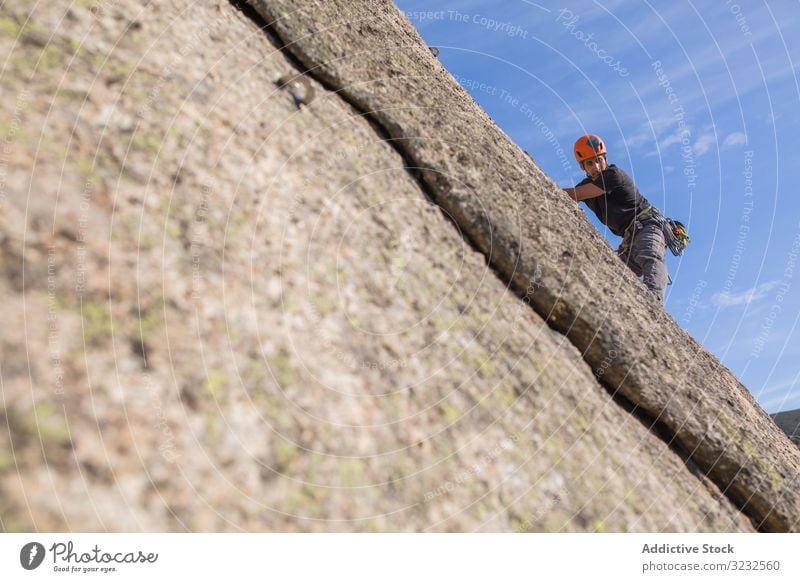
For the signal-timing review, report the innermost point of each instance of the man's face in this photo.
(593, 166)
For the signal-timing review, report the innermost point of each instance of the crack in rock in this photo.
(509, 209)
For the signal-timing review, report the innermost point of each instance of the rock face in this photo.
(364, 309)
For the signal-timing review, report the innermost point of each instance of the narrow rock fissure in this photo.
(408, 163)
(658, 428)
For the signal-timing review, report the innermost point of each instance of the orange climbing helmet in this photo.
(589, 146)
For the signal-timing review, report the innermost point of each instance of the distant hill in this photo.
(789, 422)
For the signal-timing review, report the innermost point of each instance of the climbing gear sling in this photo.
(674, 232)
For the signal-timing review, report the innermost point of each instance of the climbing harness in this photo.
(674, 232)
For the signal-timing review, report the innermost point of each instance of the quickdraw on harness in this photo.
(674, 232)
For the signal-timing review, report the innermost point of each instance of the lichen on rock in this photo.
(241, 315)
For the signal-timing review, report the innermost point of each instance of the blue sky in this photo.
(700, 103)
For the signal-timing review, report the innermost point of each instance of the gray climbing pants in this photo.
(642, 249)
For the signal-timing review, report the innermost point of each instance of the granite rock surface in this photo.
(230, 308)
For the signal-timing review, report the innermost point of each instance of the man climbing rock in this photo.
(615, 199)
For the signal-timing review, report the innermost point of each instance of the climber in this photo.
(615, 199)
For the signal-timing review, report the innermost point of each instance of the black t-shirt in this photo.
(621, 202)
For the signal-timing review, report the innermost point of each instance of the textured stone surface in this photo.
(223, 312)
(531, 232)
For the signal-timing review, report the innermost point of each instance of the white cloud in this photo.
(671, 139)
(704, 143)
(636, 140)
(737, 138)
(647, 137)
(745, 297)
(781, 395)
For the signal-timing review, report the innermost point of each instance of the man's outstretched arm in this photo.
(584, 191)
